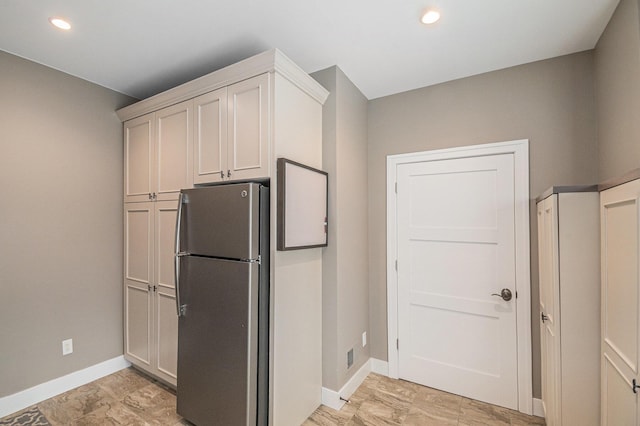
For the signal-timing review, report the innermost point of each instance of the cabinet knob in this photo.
(221, 174)
(543, 317)
(228, 173)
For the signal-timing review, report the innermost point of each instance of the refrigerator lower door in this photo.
(217, 341)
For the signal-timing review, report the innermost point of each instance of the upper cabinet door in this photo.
(138, 158)
(248, 128)
(210, 137)
(173, 150)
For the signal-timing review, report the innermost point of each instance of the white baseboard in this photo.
(331, 398)
(538, 408)
(26, 398)
(379, 366)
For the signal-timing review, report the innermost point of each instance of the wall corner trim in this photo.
(538, 408)
(379, 366)
(331, 398)
(23, 399)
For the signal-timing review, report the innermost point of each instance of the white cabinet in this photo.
(210, 137)
(138, 158)
(151, 323)
(239, 120)
(620, 236)
(157, 154)
(231, 132)
(568, 253)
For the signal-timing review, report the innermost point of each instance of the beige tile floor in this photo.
(123, 398)
(130, 398)
(384, 401)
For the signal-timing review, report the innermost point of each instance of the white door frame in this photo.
(520, 151)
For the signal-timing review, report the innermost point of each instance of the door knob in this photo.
(505, 294)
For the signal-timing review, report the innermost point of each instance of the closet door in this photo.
(138, 282)
(165, 318)
(549, 307)
(619, 217)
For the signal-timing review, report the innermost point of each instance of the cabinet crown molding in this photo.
(566, 188)
(270, 61)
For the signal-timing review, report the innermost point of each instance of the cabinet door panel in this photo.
(549, 304)
(138, 278)
(138, 155)
(165, 233)
(210, 137)
(621, 280)
(138, 325)
(248, 128)
(166, 334)
(138, 235)
(621, 404)
(619, 215)
(173, 150)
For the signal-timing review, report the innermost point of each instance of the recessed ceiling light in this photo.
(430, 17)
(60, 23)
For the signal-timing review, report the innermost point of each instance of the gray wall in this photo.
(345, 287)
(60, 223)
(550, 102)
(61, 162)
(617, 74)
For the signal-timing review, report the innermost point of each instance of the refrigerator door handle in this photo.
(178, 254)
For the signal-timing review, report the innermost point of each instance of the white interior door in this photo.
(456, 248)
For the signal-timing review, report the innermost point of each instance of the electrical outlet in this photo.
(67, 346)
(364, 339)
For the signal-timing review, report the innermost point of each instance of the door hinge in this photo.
(398, 344)
(396, 265)
(396, 187)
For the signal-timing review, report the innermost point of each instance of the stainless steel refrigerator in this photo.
(222, 298)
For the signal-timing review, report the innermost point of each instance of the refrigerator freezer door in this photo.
(217, 342)
(221, 221)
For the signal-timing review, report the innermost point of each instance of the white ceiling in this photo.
(142, 47)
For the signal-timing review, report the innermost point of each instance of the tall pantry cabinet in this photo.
(151, 325)
(229, 125)
(620, 236)
(157, 159)
(568, 253)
